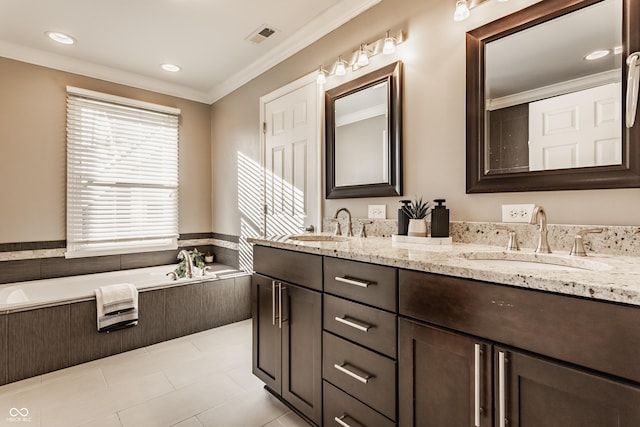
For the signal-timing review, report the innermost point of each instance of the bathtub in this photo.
(50, 324)
(46, 292)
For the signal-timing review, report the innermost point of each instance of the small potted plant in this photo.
(417, 210)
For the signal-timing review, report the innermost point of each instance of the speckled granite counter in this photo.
(606, 277)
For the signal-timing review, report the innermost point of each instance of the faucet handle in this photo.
(309, 229)
(512, 244)
(363, 232)
(338, 231)
(578, 241)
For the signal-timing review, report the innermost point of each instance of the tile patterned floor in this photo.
(200, 380)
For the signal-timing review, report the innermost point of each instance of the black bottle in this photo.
(403, 218)
(440, 220)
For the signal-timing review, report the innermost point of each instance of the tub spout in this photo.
(184, 255)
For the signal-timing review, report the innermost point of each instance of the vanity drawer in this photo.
(365, 325)
(289, 266)
(338, 404)
(370, 284)
(365, 375)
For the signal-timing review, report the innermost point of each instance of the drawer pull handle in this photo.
(340, 420)
(355, 282)
(362, 378)
(502, 398)
(477, 378)
(353, 323)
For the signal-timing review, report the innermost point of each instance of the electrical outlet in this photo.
(377, 211)
(517, 213)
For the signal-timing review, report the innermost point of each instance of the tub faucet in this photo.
(184, 254)
(540, 217)
(349, 228)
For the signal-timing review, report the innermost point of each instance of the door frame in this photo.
(271, 96)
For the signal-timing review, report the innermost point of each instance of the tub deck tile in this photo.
(39, 342)
(86, 342)
(151, 325)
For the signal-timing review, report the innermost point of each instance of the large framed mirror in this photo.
(363, 131)
(546, 95)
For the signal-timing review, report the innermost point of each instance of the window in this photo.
(122, 175)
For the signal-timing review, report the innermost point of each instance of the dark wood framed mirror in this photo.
(512, 95)
(363, 135)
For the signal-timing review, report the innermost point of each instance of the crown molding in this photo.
(326, 22)
(329, 20)
(97, 71)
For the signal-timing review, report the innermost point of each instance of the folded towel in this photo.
(118, 297)
(116, 306)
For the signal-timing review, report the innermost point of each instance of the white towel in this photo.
(116, 306)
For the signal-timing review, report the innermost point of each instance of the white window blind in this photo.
(122, 175)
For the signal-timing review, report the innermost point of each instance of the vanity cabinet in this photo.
(474, 353)
(359, 344)
(287, 327)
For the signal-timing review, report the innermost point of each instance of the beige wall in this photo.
(33, 157)
(434, 121)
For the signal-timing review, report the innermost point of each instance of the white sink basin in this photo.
(318, 238)
(529, 261)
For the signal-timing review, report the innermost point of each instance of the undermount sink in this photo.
(530, 260)
(318, 238)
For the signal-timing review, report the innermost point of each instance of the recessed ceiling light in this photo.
(60, 37)
(597, 54)
(171, 68)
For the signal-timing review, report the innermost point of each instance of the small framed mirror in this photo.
(363, 131)
(546, 95)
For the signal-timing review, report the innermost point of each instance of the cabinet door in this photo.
(267, 337)
(444, 378)
(302, 350)
(534, 392)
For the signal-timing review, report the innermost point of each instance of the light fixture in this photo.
(597, 54)
(172, 68)
(363, 57)
(462, 11)
(322, 76)
(389, 44)
(60, 37)
(341, 69)
(617, 50)
(463, 8)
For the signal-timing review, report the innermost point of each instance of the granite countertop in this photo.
(602, 277)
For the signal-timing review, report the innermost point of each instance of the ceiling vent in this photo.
(261, 34)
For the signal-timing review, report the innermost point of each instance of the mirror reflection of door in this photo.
(361, 137)
(549, 104)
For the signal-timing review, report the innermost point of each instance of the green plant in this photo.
(417, 209)
(197, 259)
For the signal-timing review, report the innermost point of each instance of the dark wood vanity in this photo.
(348, 343)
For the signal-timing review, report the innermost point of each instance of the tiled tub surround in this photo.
(614, 240)
(50, 333)
(44, 260)
(607, 277)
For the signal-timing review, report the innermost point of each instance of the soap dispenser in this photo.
(403, 218)
(440, 219)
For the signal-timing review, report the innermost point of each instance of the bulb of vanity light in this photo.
(363, 58)
(322, 77)
(462, 11)
(389, 45)
(341, 70)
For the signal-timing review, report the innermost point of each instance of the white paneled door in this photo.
(291, 141)
(578, 129)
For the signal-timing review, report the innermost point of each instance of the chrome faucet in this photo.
(349, 228)
(540, 217)
(184, 254)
